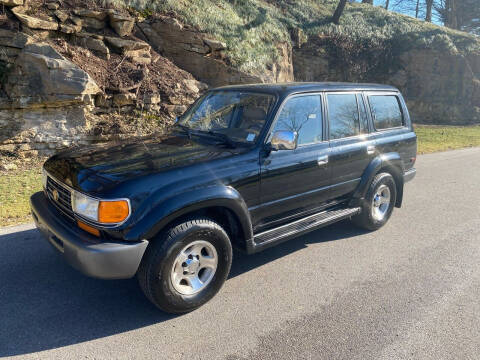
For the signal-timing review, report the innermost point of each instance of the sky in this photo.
(407, 7)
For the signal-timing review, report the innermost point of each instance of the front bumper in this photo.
(409, 175)
(92, 256)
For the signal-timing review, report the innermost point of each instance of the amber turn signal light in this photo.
(111, 212)
(88, 228)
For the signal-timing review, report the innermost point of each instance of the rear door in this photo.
(391, 127)
(351, 146)
(295, 183)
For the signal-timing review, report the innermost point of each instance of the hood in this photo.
(97, 167)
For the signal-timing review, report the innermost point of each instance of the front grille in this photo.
(64, 199)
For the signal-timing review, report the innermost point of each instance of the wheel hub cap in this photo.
(381, 202)
(194, 267)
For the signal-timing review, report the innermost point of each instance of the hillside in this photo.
(82, 71)
(253, 28)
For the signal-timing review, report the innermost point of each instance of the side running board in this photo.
(285, 232)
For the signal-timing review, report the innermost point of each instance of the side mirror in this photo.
(284, 140)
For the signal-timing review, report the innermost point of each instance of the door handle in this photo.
(322, 160)
(370, 149)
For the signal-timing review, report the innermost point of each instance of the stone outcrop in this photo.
(439, 87)
(43, 130)
(16, 40)
(43, 78)
(91, 19)
(11, 2)
(95, 44)
(189, 50)
(123, 25)
(33, 22)
(48, 101)
(138, 51)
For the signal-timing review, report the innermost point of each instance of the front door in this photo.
(294, 182)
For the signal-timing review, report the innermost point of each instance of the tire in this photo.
(374, 215)
(187, 248)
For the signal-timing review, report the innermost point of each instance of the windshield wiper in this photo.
(224, 139)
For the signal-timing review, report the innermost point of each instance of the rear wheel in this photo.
(186, 265)
(379, 203)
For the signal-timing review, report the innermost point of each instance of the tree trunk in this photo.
(417, 9)
(428, 16)
(451, 14)
(387, 4)
(339, 11)
(367, 2)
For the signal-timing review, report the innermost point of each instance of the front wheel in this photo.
(379, 203)
(186, 266)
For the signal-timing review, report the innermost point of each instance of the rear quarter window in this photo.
(386, 111)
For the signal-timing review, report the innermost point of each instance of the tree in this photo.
(428, 16)
(367, 2)
(387, 4)
(339, 11)
(459, 14)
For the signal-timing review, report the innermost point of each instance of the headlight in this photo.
(85, 206)
(101, 211)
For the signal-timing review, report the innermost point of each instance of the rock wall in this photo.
(47, 98)
(75, 76)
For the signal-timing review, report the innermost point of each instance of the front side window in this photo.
(236, 114)
(343, 116)
(302, 114)
(386, 111)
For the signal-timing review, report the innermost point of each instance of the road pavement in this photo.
(408, 291)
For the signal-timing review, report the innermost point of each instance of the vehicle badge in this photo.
(55, 194)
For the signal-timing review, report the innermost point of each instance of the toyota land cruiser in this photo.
(246, 166)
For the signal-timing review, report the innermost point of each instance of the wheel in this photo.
(186, 265)
(379, 203)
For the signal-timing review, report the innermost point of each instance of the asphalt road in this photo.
(408, 291)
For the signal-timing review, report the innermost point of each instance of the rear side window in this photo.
(302, 114)
(343, 116)
(386, 111)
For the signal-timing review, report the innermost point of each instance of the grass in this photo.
(442, 138)
(16, 186)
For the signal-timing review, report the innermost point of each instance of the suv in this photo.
(246, 166)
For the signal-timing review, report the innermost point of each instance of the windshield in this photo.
(236, 114)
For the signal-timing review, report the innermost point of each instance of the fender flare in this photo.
(170, 209)
(393, 162)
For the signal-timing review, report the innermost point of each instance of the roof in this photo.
(296, 87)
